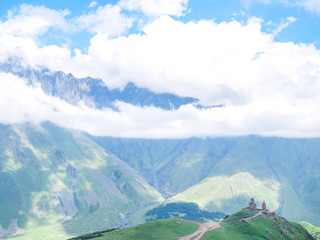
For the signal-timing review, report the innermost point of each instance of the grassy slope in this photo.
(225, 173)
(50, 175)
(260, 228)
(229, 193)
(314, 231)
(160, 229)
(233, 227)
(256, 230)
(241, 214)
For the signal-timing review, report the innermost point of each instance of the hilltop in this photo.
(159, 229)
(248, 224)
(243, 225)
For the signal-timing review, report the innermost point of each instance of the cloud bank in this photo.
(107, 19)
(266, 117)
(31, 21)
(267, 88)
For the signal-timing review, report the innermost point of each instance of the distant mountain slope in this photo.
(58, 182)
(314, 231)
(220, 174)
(92, 92)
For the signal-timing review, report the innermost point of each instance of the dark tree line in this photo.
(188, 211)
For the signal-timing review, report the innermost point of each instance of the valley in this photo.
(77, 183)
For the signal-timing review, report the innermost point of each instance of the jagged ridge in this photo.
(93, 92)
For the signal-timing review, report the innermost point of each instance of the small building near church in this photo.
(252, 206)
(264, 205)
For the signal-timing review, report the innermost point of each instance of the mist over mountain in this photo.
(92, 92)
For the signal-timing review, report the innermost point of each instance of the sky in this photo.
(259, 58)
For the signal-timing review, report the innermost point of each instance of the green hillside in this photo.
(56, 183)
(156, 230)
(314, 231)
(261, 227)
(220, 174)
(236, 226)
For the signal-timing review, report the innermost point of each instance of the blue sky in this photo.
(305, 29)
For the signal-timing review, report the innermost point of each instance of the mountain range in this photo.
(221, 174)
(56, 183)
(70, 183)
(63, 183)
(92, 92)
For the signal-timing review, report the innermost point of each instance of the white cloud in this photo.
(192, 59)
(265, 116)
(32, 21)
(93, 4)
(310, 5)
(156, 7)
(284, 24)
(27, 49)
(107, 19)
(268, 88)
